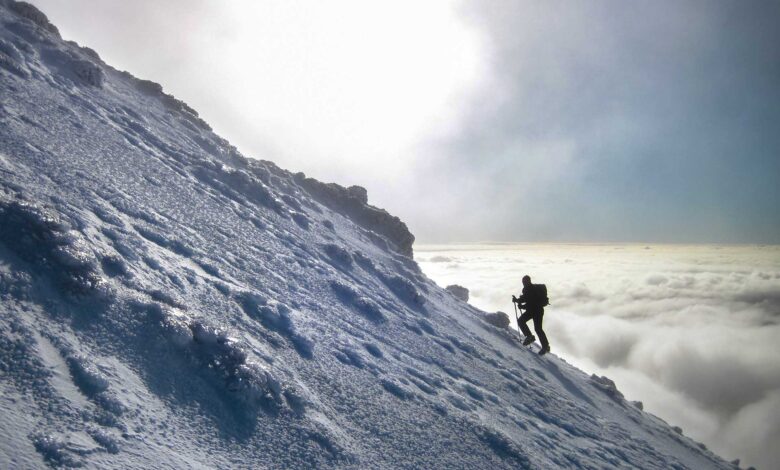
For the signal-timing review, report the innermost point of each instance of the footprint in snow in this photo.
(397, 389)
(350, 357)
(374, 350)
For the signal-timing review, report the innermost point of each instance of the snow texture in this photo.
(168, 303)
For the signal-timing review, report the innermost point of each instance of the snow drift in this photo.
(168, 303)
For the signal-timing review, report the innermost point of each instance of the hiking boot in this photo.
(528, 340)
(544, 350)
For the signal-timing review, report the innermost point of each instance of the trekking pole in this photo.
(517, 319)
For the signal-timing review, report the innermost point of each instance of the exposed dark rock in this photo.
(459, 292)
(499, 319)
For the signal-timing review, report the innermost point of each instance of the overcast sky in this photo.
(485, 120)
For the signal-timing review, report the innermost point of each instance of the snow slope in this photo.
(168, 303)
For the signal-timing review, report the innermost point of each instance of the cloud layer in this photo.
(692, 331)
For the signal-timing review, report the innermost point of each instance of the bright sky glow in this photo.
(355, 83)
(342, 90)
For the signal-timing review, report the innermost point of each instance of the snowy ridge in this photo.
(167, 302)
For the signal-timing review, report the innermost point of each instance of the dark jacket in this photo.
(530, 300)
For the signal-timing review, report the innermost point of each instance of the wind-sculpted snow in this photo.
(353, 202)
(361, 303)
(29, 12)
(276, 316)
(167, 303)
(12, 59)
(40, 237)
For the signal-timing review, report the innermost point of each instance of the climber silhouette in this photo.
(533, 300)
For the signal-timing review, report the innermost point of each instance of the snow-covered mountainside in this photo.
(168, 303)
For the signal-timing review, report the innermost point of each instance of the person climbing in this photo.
(533, 300)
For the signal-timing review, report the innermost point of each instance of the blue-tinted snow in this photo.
(168, 303)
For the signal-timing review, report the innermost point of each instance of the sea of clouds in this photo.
(692, 331)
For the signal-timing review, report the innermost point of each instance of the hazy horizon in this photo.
(424, 246)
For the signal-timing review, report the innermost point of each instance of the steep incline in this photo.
(167, 303)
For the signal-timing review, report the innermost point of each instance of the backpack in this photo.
(541, 293)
